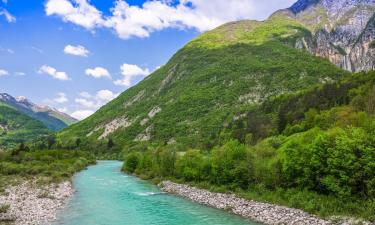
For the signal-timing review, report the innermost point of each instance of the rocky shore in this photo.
(260, 212)
(30, 204)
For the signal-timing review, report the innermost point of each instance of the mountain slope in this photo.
(51, 118)
(16, 127)
(342, 31)
(212, 80)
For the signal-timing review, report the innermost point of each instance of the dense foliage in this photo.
(16, 128)
(46, 165)
(317, 143)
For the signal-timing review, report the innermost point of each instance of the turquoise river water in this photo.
(105, 196)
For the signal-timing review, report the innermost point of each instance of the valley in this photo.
(272, 120)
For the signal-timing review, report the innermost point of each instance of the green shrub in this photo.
(131, 162)
(58, 164)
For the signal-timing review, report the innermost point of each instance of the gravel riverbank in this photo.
(260, 212)
(34, 205)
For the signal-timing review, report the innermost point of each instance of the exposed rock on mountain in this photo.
(341, 30)
(51, 118)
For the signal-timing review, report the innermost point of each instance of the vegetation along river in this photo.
(106, 196)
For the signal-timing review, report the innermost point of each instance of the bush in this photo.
(229, 164)
(131, 162)
(190, 166)
(60, 163)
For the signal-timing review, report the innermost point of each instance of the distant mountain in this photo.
(16, 127)
(341, 30)
(51, 118)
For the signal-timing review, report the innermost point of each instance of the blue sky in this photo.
(76, 55)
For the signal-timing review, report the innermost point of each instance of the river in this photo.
(105, 196)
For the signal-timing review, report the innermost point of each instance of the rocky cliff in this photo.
(341, 30)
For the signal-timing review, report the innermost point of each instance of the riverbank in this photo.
(261, 212)
(30, 204)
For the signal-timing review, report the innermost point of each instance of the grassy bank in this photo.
(47, 166)
(321, 205)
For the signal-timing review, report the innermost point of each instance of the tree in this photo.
(229, 164)
(51, 141)
(78, 142)
(110, 143)
(190, 166)
(131, 162)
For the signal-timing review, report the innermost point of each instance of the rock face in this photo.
(342, 31)
(114, 125)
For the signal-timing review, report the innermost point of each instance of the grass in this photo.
(4, 208)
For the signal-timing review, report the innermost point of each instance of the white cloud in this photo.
(78, 50)
(85, 102)
(9, 17)
(5, 1)
(82, 114)
(129, 72)
(8, 50)
(36, 49)
(3, 72)
(85, 94)
(20, 73)
(105, 95)
(79, 12)
(88, 104)
(61, 98)
(98, 72)
(63, 110)
(89, 101)
(48, 70)
(140, 21)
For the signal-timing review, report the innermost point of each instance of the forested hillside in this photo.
(313, 150)
(16, 127)
(215, 78)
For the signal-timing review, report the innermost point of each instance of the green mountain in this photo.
(267, 110)
(51, 118)
(16, 127)
(214, 79)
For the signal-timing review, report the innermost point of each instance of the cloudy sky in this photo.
(76, 55)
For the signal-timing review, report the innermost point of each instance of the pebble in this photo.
(264, 213)
(33, 205)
